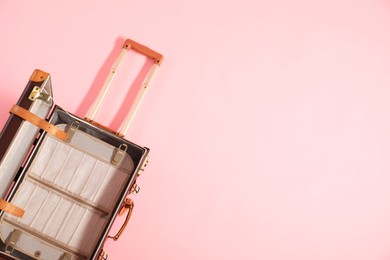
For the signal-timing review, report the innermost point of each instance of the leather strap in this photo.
(39, 122)
(11, 209)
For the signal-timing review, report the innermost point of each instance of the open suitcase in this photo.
(64, 179)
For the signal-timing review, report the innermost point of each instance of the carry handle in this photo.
(129, 44)
(129, 205)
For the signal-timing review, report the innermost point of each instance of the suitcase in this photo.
(64, 179)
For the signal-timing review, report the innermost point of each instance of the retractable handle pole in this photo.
(129, 44)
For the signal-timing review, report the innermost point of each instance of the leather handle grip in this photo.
(129, 205)
(130, 44)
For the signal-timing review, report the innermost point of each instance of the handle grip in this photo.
(130, 44)
(129, 205)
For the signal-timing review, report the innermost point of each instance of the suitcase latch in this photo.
(37, 93)
(12, 240)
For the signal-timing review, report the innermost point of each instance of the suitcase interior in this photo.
(70, 191)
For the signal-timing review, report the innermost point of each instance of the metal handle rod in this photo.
(138, 99)
(128, 45)
(98, 101)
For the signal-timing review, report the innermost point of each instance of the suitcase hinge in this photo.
(37, 93)
(12, 240)
(119, 154)
(66, 256)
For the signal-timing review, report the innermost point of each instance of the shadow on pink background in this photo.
(100, 78)
(267, 121)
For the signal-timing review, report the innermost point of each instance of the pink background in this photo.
(268, 122)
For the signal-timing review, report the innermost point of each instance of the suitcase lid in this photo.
(18, 135)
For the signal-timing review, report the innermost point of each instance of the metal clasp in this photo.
(66, 256)
(119, 154)
(12, 240)
(72, 128)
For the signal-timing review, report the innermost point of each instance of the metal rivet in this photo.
(37, 253)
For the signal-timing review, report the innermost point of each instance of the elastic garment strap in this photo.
(11, 209)
(39, 122)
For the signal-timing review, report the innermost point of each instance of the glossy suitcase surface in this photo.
(70, 180)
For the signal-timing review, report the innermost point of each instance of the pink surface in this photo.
(268, 121)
